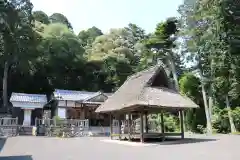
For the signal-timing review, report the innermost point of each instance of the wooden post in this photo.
(141, 127)
(129, 127)
(16, 126)
(111, 127)
(16, 120)
(162, 126)
(181, 124)
(119, 126)
(146, 122)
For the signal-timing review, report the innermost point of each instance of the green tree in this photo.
(62, 56)
(87, 37)
(115, 51)
(41, 17)
(209, 30)
(190, 86)
(226, 70)
(116, 43)
(18, 38)
(162, 41)
(196, 42)
(137, 32)
(60, 18)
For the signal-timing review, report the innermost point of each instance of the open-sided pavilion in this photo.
(147, 92)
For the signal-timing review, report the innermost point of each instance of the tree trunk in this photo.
(175, 78)
(232, 126)
(209, 125)
(210, 103)
(5, 80)
(206, 108)
(174, 72)
(210, 93)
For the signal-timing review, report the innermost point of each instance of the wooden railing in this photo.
(135, 125)
(47, 122)
(6, 121)
(8, 126)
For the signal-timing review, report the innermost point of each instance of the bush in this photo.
(236, 118)
(201, 129)
(58, 120)
(171, 122)
(195, 120)
(220, 120)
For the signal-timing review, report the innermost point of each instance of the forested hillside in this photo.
(40, 52)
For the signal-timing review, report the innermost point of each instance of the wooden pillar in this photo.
(82, 113)
(141, 128)
(111, 127)
(66, 110)
(129, 127)
(119, 126)
(162, 126)
(181, 124)
(146, 122)
(90, 115)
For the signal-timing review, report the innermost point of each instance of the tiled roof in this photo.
(23, 97)
(74, 95)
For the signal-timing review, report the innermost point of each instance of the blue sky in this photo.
(106, 14)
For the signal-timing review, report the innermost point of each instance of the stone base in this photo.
(25, 131)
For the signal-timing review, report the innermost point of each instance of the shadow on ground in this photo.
(2, 142)
(175, 141)
(25, 157)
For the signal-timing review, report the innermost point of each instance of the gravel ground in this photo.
(220, 147)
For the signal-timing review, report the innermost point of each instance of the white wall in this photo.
(27, 117)
(61, 112)
(66, 103)
(61, 103)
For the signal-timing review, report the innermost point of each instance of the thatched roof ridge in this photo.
(137, 74)
(151, 88)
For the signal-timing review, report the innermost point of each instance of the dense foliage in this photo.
(39, 53)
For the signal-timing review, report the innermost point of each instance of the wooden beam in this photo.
(111, 126)
(162, 125)
(141, 128)
(181, 123)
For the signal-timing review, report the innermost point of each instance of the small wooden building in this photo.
(27, 107)
(80, 105)
(146, 92)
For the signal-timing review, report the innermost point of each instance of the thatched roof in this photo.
(148, 88)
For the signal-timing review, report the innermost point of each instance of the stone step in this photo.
(25, 130)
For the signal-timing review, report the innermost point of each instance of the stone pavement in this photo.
(221, 147)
